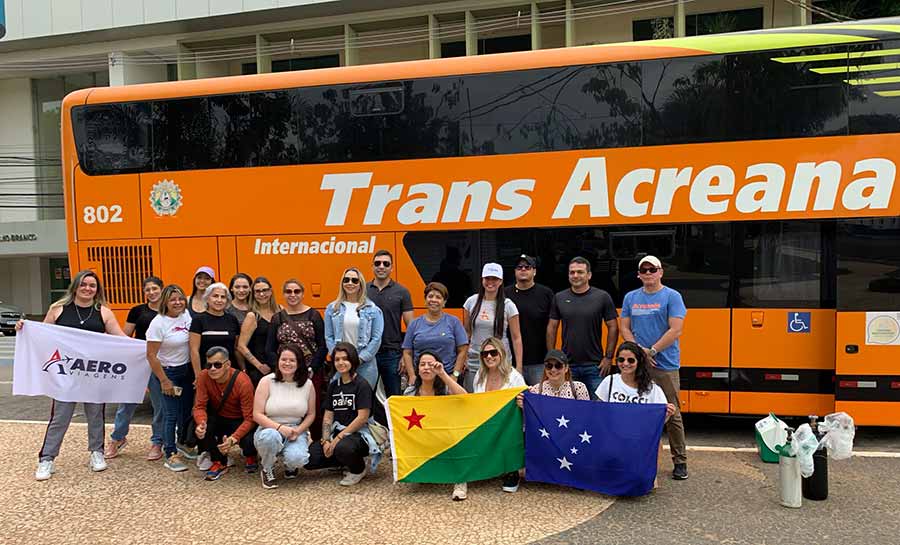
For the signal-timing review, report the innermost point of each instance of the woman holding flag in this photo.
(82, 307)
(497, 373)
(432, 380)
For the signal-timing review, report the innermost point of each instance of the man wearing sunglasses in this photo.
(396, 304)
(653, 317)
(223, 413)
(533, 301)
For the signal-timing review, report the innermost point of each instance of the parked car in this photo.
(9, 315)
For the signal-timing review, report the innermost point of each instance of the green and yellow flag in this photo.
(456, 438)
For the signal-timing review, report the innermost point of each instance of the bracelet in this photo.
(279, 427)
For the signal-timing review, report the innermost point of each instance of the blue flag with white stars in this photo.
(609, 448)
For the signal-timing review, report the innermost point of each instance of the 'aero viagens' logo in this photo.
(165, 198)
(84, 367)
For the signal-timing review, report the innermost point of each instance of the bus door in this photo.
(783, 322)
(867, 347)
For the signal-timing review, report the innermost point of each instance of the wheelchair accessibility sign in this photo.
(798, 322)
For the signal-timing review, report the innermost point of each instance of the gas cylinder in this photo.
(789, 474)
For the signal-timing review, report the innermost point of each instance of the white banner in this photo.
(69, 364)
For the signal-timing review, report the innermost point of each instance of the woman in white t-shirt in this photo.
(497, 373)
(489, 313)
(169, 355)
(284, 408)
(632, 384)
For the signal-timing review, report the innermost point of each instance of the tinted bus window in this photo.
(697, 258)
(868, 264)
(113, 138)
(183, 135)
(781, 263)
(874, 101)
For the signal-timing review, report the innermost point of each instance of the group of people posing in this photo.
(231, 367)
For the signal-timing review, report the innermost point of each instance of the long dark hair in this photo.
(500, 306)
(439, 387)
(302, 372)
(642, 369)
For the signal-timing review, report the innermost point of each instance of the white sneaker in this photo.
(459, 491)
(98, 462)
(204, 462)
(352, 478)
(44, 470)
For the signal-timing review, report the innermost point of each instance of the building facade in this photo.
(49, 48)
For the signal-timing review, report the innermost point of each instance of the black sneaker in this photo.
(680, 472)
(268, 478)
(291, 473)
(511, 482)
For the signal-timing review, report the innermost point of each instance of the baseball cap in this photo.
(651, 260)
(492, 269)
(207, 270)
(557, 355)
(527, 259)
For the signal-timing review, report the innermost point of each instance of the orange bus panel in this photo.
(781, 404)
(705, 341)
(106, 207)
(870, 359)
(771, 346)
(180, 257)
(704, 401)
(870, 413)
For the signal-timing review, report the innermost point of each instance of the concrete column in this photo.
(680, 24)
(434, 40)
(187, 64)
(535, 27)
(122, 72)
(351, 55)
(801, 13)
(263, 60)
(471, 35)
(570, 23)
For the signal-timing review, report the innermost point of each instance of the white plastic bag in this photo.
(772, 431)
(838, 430)
(804, 444)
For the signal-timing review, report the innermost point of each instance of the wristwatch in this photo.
(455, 373)
(653, 352)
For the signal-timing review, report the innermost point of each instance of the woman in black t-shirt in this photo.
(139, 318)
(255, 330)
(215, 327)
(82, 307)
(347, 404)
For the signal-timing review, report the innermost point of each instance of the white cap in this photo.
(492, 269)
(651, 260)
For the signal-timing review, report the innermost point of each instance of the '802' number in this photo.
(102, 214)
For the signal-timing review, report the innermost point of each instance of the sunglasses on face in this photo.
(548, 365)
(648, 270)
(262, 290)
(492, 353)
(297, 291)
(384, 264)
(620, 359)
(217, 364)
(350, 280)
(523, 267)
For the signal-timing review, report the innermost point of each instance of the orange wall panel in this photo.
(771, 346)
(871, 359)
(781, 404)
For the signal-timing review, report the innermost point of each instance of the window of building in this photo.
(486, 46)
(301, 63)
(699, 24)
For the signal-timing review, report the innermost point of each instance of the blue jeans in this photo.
(177, 409)
(533, 374)
(125, 412)
(388, 360)
(589, 375)
(270, 443)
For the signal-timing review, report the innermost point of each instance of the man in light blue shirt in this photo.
(653, 317)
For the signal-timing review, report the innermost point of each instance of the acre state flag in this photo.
(455, 438)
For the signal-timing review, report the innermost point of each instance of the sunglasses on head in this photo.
(620, 359)
(548, 365)
(384, 264)
(217, 364)
(350, 280)
(492, 352)
(648, 270)
(295, 291)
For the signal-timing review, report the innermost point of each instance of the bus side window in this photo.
(868, 264)
(112, 138)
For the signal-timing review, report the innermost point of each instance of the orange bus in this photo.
(760, 167)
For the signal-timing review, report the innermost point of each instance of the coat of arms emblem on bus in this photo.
(165, 198)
